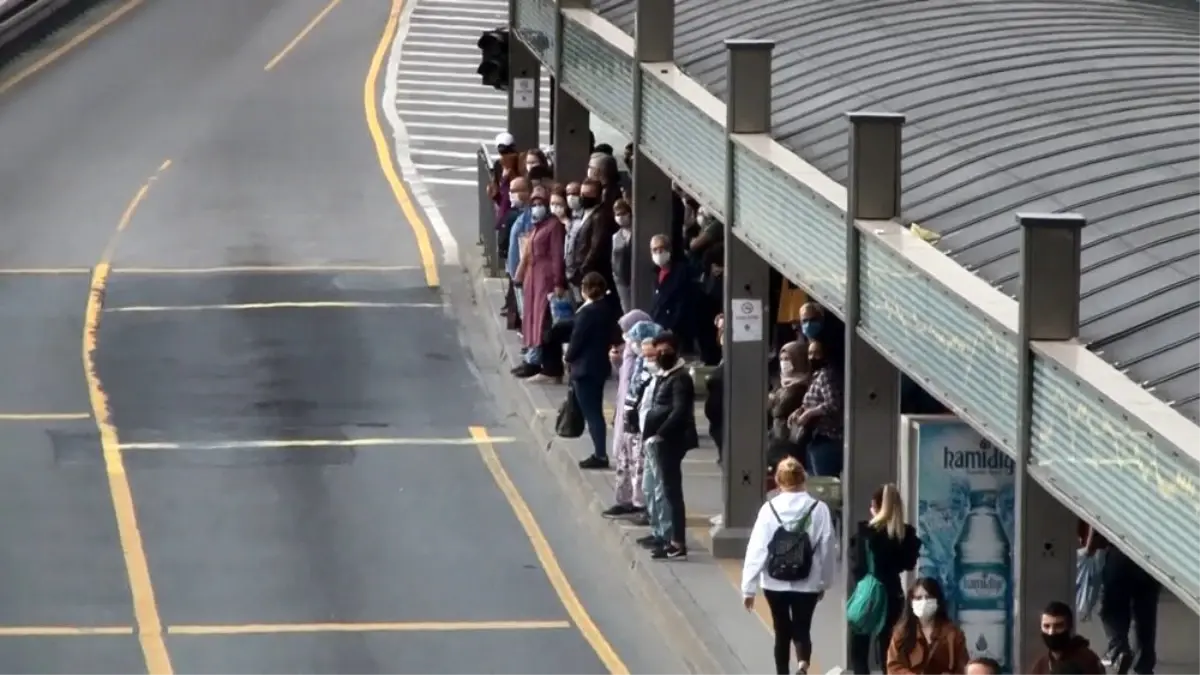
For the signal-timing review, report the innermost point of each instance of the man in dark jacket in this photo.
(593, 250)
(1066, 652)
(671, 307)
(671, 426)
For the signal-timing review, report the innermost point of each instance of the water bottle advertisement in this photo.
(962, 488)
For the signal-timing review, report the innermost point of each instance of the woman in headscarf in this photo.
(783, 440)
(636, 326)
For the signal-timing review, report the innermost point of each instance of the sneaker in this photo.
(649, 541)
(618, 510)
(542, 378)
(669, 552)
(525, 370)
(802, 669)
(594, 462)
(1118, 662)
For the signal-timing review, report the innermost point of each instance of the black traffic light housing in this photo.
(493, 68)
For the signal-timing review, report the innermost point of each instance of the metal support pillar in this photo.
(571, 142)
(1044, 530)
(654, 42)
(872, 383)
(747, 297)
(524, 88)
(569, 120)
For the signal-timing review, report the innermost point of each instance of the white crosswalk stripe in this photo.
(443, 106)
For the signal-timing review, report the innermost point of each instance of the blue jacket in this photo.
(519, 229)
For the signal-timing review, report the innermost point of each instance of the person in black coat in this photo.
(593, 332)
(671, 425)
(671, 307)
(894, 546)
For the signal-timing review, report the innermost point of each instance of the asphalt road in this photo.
(239, 432)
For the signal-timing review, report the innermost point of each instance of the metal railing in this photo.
(488, 243)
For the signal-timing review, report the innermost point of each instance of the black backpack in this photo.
(790, 551)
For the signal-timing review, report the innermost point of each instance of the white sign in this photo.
(747, 320)
(524, 93)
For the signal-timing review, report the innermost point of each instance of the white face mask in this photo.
(624, 221)
(925, 608)
(661, 258)
(701, 219)
(653, 367)
(573, 202)
(538, 212)
(559, 210)
(786, 368)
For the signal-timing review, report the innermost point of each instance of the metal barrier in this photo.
(492, 265)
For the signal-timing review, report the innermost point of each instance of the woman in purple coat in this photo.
(626, 448)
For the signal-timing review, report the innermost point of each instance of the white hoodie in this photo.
(790, 505)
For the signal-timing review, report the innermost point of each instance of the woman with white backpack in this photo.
(791, 553)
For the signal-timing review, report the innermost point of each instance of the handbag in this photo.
(866, 608)
(569, 423)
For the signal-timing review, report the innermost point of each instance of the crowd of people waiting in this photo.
(568, 260)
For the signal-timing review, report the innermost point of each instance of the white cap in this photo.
(505, 138)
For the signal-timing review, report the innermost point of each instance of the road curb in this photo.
(662, 596)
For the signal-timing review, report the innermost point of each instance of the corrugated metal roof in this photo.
(1058, 105)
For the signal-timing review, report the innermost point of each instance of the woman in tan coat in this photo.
(926, 641)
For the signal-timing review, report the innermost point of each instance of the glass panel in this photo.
(599, 75)
(801, 236)
(687, 144)
(1144, 491)
(535, 27)
(941, 342)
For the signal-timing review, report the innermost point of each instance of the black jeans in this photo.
(1128, 596)
(589, 393)
(860, 645)
(554, 337)
(791, 616)
(670, 472)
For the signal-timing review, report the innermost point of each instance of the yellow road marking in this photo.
(385, 627)
(301, 35)
(63, 631)
(312, 443)
(260, 269)
(384, 152)
(145, 607)
(44, 271)
(71, 44)
(545, 555)
(276, 305)
(44, 417)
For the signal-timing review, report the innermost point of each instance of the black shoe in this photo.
(648, 541)
(594, 462)
(526, 370)
(669, 552)
(1119, 662)
(619, 510)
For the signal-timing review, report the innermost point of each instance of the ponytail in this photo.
(889, 511)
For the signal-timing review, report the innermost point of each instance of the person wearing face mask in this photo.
(1066, 652)
(541, 274)
(893, 547)
(816, 325)
(670, 426)
(819, 418)
(622, 254)
(535, 159)
(670, 306)
(792, 602)
(592, 249)
(926, 641)
(628, 499)
(794, 378)
(516, 226)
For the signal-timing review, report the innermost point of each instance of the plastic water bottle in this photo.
(984, 586)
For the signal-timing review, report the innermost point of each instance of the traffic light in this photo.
(493, 68)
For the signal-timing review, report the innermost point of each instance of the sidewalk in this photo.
(704, 591)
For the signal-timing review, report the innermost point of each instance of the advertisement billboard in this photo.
(959, 489)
